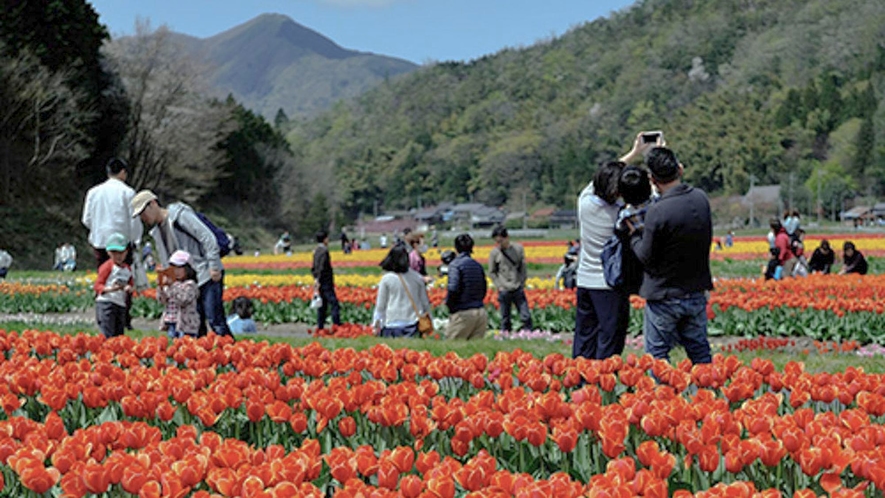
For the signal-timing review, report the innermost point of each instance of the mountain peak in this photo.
(268, 31)
(272, 62)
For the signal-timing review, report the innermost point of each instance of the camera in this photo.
(165, 276)
(652, 137)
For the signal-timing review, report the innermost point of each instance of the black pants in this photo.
(111, 318)
(601, 323)
(407, 331)
(329, 299)
(516, 297)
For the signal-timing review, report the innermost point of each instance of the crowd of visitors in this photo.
(787, 247)
(642, 231)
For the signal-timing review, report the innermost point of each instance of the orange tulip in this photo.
(411, 486)
(347, 426)
(441, 487)
(366, 461)
(38, 478)
(403, 458)
(254, 410)
(151, 489)
(388, 475)
(566, 439)
(298, 422)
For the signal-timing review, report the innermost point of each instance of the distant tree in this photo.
(254, 152)
(174, 129)
(281, 121)
(62, 34)
(830, 99)
(864, 150)
(725, 137)
(42, 130)
(317, 217)
(790, 110)
(833, 185)
(66, 37)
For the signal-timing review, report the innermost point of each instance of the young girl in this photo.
(180, 295)
(240, 320)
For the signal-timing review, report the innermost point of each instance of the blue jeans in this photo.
(210, 306)
(329, 299)
(406, 331)
(171, 332)
(678, 320)
(517, 297)
(601, 321)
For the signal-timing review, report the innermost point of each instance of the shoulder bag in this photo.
(425, 323)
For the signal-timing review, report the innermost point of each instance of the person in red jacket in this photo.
(782, 243)
(113, 287)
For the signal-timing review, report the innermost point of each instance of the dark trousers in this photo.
(407, 331)
(210, 306)
(111, 318)
(601, 323)
(516, 297)
(329, 299)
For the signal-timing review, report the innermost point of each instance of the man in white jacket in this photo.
(107, 211)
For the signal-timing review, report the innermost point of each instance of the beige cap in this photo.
(141, 201)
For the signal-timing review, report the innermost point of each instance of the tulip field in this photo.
(214, 417)
(217, 417)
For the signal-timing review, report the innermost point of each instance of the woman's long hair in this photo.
(397, 259)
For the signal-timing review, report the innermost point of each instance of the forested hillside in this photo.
(741, 88)
(71, 98)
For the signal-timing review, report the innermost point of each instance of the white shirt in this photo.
(393, 308)
(107, 210)
(597, 219)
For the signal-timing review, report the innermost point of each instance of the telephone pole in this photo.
(820, 206)
(750, 194)
(525, 212)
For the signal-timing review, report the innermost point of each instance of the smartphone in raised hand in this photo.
(652, 137)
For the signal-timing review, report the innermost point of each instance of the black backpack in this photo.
(620, 267)
(224, 243)
(570, 276)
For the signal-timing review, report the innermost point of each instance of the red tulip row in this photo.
(213, 416)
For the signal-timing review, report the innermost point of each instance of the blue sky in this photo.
(416, 30)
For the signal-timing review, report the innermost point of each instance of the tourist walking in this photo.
(507, 270)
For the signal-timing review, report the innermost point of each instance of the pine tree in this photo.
(865, 144)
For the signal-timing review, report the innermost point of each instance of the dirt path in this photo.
(86, 319)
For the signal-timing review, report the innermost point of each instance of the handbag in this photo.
(317, 301)
(425, 323)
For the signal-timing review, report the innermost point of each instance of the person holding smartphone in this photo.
(674, 249)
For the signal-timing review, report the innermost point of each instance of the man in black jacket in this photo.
(324, 281)
(674, 248)
(466, 290)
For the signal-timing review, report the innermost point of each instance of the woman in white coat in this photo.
(402, 297)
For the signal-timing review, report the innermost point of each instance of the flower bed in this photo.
(85, 415)
(822, 307)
